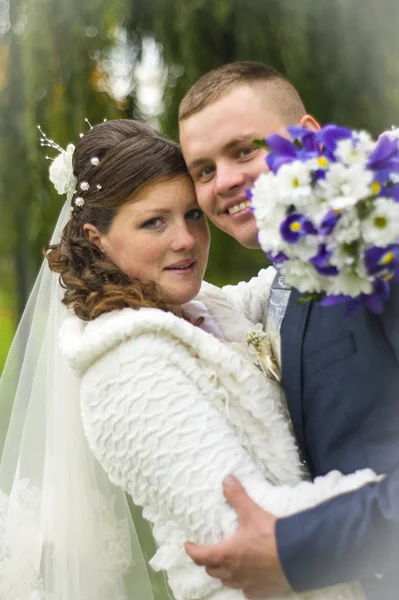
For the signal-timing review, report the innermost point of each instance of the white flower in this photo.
(392, 133)
(302, 276)
(340, 257)
(79, 201)
(344, 186)
(61, 171)
(294, 182)
(95, 161)
(265, 196)
(348, 152)
(346, 231)
(381, 227)
(350, 284)
(355, 150)
(269, 212)
(270, 240)
(84, 186)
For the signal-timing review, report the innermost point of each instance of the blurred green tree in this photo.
(343, 57)
(53, 72)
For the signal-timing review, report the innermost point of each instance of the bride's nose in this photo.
(182, 239)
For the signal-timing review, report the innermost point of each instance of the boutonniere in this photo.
(260, 347)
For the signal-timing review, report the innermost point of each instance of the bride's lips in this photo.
(183, 267)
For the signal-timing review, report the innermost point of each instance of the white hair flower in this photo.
(61, 171)
(84, 186)
(95, 161)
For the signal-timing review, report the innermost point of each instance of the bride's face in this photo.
(161, 236)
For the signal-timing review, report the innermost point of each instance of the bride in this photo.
(170, 386)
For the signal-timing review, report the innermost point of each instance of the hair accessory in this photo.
(79, 201)
(61, 169)
(84, 186)
(95, 161)
(99, 187)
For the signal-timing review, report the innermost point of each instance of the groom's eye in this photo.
(195, 214)
(244, 152)
(205, 172)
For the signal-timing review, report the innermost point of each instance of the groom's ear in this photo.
(309, 122)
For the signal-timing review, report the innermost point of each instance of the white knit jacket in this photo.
(169, 410)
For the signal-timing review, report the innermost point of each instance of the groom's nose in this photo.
(228, 178)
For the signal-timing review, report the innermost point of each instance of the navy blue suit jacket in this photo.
(341, 378)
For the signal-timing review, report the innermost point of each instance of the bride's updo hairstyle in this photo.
(111, 162)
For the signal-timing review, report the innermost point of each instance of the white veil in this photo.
(66, 532)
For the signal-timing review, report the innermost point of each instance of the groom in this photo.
(340, 375)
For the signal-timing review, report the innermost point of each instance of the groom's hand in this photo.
(248, 560)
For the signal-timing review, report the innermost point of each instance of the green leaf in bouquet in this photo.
(258, 143)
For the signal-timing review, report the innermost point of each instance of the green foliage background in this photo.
(341, 55)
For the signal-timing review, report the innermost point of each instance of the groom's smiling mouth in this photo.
(236, 207)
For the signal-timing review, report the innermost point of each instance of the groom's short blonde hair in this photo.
(221, 81)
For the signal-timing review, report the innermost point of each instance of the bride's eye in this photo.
(152, 223)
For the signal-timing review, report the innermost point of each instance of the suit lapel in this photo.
(292, 335)
(390, 319)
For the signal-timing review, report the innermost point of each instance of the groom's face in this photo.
(217, 144)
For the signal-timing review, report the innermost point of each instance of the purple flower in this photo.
(306, 137)
(334, 300)
(296, 226)
(375, 301)
(329, 222)
(318, 174)
(385, 155)
(282, 151)
(321, 262)
(383, 262)
(277, 259)
(330, 135)
(390, 191)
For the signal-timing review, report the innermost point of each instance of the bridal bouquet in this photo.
(328, 213)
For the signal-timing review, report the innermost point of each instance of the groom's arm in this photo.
(354, 536)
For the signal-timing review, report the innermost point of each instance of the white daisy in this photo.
(350, 284)
(303, 276)
(346, 231)
(348, 152)
(344, 186)
(294, 182)
(381, 227)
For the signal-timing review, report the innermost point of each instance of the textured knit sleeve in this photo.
(157, 425)
(251, 297)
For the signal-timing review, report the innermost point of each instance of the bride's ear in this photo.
(94, 235)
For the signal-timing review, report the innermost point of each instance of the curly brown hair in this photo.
(131, 156)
